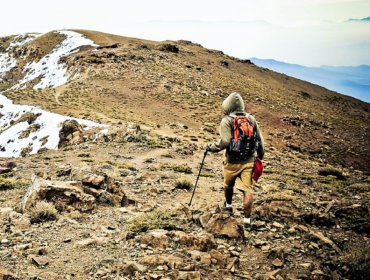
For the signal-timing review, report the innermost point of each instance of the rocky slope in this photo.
(113, 205)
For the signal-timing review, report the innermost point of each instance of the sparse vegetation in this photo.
(169, 48)
(207, 174)
(43, 211)
(182, 168)
(122, 165)
(157, 219)
(183, 184)
(330, 171)
(358, 261)
(9, 183)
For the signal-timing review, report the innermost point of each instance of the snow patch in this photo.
(42, 129)
(6, 64)
(52, 71)
(7, 61)
(22, 39)
(46, 136)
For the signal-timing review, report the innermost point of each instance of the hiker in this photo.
(240, 155)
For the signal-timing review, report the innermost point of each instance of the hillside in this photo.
(190, 85)
(110, 131)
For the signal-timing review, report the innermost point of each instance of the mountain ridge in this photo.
(201, 76)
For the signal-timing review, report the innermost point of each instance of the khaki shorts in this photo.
(240, 175)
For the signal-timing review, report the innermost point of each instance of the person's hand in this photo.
(208, 147)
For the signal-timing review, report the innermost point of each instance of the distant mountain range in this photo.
(348, 80)
(367, 19)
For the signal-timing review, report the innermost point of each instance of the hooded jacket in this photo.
(233, 105)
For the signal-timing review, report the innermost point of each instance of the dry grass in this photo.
(358, 261)
(183, 184)
(122, 165)
(181, 168)
(43, 211)
(330, 171)
(8, 183)
(157, 219)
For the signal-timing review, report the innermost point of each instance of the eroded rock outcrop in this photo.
(74, 195)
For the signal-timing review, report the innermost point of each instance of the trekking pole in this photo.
(200, 169)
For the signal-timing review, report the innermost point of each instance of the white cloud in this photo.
(300, 31)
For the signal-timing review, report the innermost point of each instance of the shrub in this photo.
(43, 211)
(358, 262)
(169, 48)
(7, 183)
(327, 171)
(122, 165)
(157, 219)
(183, 184)
(182, 168)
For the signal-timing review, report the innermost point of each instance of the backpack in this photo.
(244, 139)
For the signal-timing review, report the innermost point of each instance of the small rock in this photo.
(232, 263)
(91, 241)
(202, 257)
(278, 225)
(318, 272)
(277, 262)
(5, 241)
(292, 230)
(22, 247)
(40, 261)
(271, 274)
(265, 248)
(306, 265)
(188, 275)
(216, 255)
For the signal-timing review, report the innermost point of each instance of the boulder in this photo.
(222, 224)
(71, 132)
(63, 194)
(203, 242)
(169, 260)
(156, 238)
(93, 180)
(74, 195)
(130, 268)
(105, 189)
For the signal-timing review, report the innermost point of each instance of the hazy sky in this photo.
(309, 32)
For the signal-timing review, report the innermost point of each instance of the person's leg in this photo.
(244, 183)
(229, 192)
(247, 204)
(230, 175)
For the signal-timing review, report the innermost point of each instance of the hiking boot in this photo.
(225, 208)
(247, 222)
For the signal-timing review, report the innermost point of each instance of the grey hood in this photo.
(233, 103)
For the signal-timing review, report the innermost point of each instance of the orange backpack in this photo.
(243, 142)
